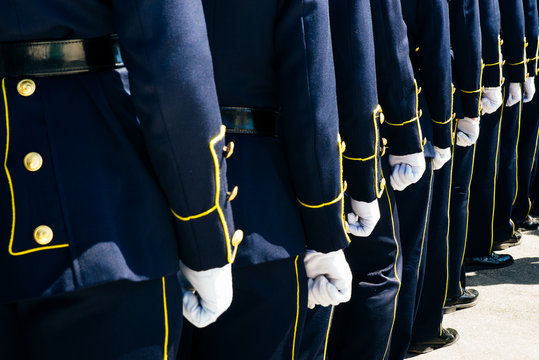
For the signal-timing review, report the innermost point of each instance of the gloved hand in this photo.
(441, 156)
(407, 169)
(491, 99)
(467, 131)
(212, 294)
(363, 219)
(330, 278)
(528, 89)
(515, 94)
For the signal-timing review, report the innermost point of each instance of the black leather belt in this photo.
(59, 57)
(239, 120)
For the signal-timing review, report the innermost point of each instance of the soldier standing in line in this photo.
(276, 87)
(109, 172)
(527, 145)
(488, 225)
(363, 327)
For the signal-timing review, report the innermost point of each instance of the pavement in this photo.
(504, 325)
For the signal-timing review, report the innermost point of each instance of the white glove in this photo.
(330, 278)
(407, 169)
(528, 89)
(441, 156)
(467, 131)
(363, 219)
(212, 295)
(491, 99)
(515, 94)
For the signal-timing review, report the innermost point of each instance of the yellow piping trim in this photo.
(467, 216)
(470, 92)
(10, 182)
(516, 152)
(217, 207)
(481, 88)
(533, 162)
(394, 270)
(518, 63)
(343, 223)
(404, 123)
(448, 227)
(500, 57)
(322, 205)
(495, 174)
(426, 216)
(297, 308)
(493, 64)
(327, 332)
(359, 159)
(165, 346)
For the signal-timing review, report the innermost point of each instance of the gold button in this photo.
(343, 146)
(228, 150)
(419, 90)
(382, 184)
(26, 87)
(33, 161)
(384, 141)
(232, 194)
(424, 141)
(344, 186)
(237, 238)
(382, 151)
(382, 118)
(43, 235)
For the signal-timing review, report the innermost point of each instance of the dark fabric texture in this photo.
(115, 321)
(261, 322)
(362, 326)
(414, 205)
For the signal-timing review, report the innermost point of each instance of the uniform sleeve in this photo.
(434, 60)
(309, 122)
(491, 43)
(514, 52)
(466, 43)
(397, 89)
(165, 48)
(532, 35)
(359, 113)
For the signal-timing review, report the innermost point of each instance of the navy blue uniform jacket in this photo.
(359, 112)
(133, 172)
(427, 22)
(491, 43)
(277, 55)
(397, 89)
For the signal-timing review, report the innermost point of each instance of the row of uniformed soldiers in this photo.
(117, 170)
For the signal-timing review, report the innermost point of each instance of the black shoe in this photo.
(466, 300)
(529, 223)
(488, 262)
(449, 337)
(514, 240)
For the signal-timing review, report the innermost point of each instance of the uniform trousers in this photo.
(506, 185)
(265, 320)
(362, 327)
(428, 316)
(117, 320)
(413, 204)
(482, 195)
(527, 160)
(461, 178)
